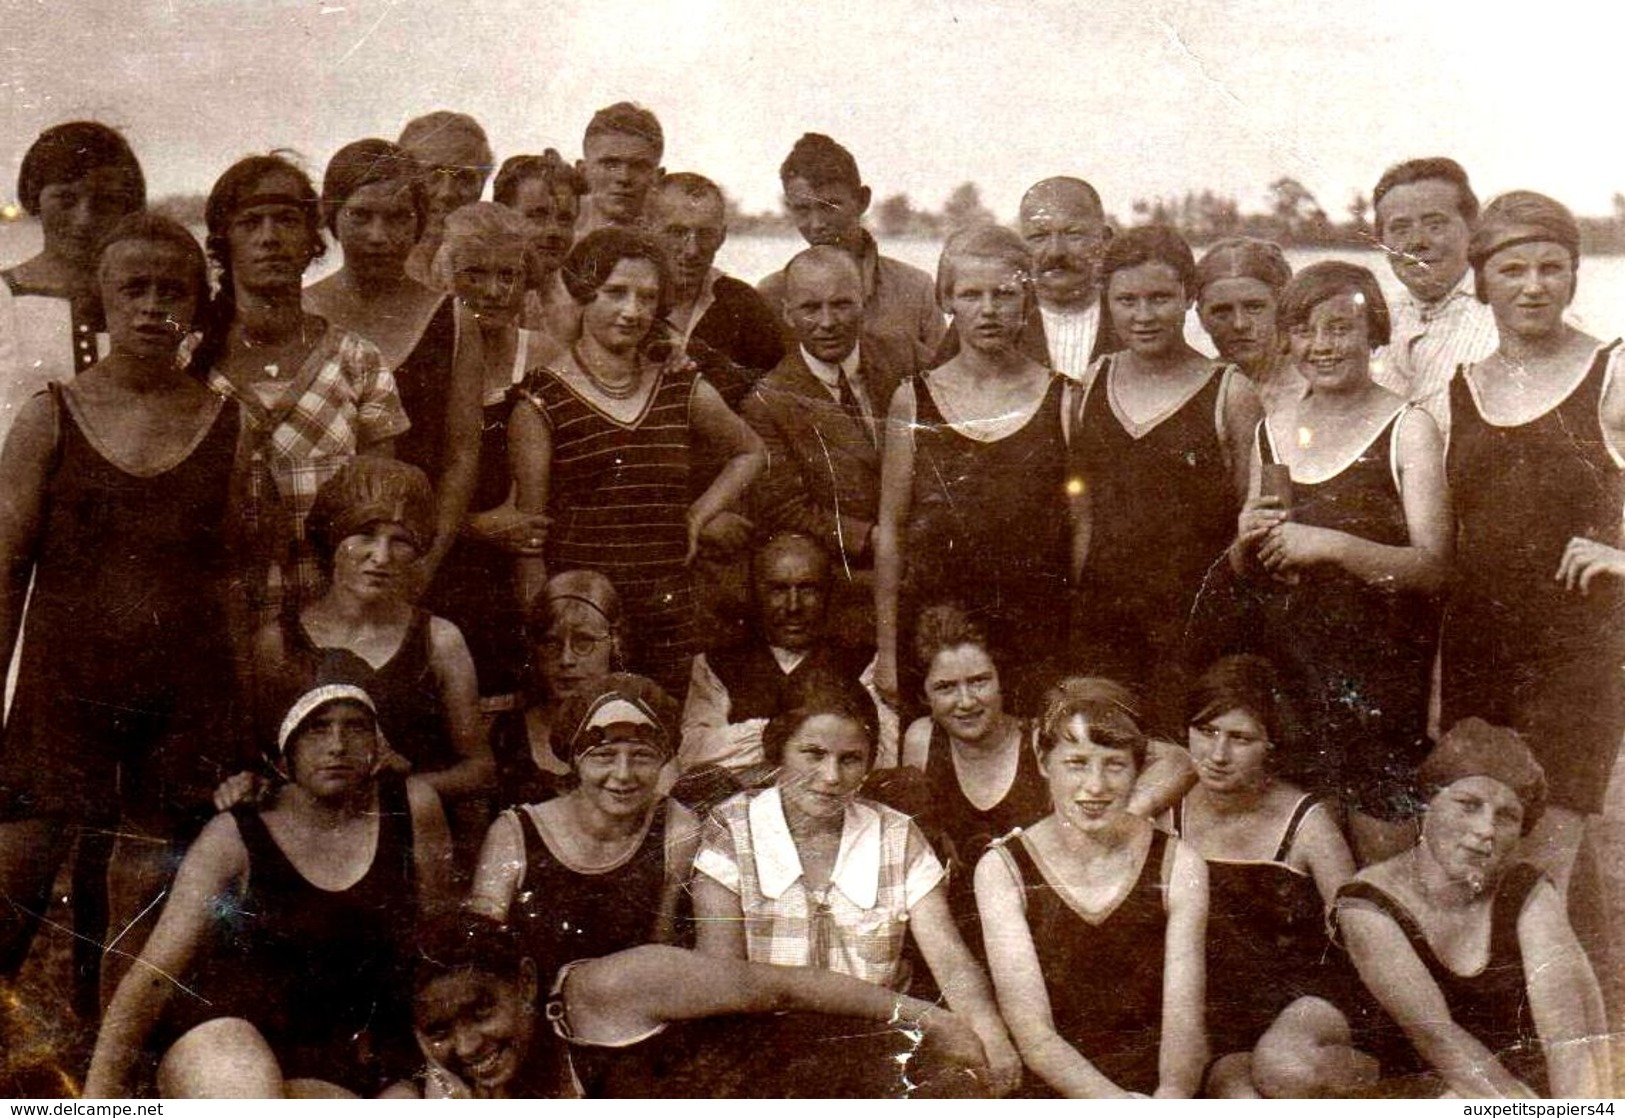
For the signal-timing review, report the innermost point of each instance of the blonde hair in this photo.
(487, 224)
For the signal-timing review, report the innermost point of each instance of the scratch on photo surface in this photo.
(389, 7)
(56, 926)
(835, 489)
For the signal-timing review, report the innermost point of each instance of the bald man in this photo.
(1062, 221)
(819, 412)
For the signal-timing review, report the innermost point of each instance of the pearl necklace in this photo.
(612, 391)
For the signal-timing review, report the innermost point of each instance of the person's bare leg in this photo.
(1308, 1052)
(226, 1058)
(31, 851)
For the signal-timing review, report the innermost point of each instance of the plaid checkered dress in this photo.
(856, 923)
(297, 433)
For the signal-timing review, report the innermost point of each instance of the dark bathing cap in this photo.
(1472, 747)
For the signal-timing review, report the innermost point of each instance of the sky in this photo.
(1145, 98)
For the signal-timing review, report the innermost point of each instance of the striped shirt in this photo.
(1071, 337)
(1430, 341)
(618, 494)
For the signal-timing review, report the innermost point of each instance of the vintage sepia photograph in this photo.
(919, 549)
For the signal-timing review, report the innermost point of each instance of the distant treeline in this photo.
(1295, 218)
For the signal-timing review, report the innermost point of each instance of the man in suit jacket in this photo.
(1062, 221)
(822, 412)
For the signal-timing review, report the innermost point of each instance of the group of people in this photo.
(531, 662)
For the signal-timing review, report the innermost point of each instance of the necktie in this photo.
(850, 405)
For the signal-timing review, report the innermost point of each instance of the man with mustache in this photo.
(826, 198)
(1425, 213)
(1062, 220)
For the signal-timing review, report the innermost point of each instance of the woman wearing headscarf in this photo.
(280, 966)
(603, 866)
(1533, 634)
(1468, 949)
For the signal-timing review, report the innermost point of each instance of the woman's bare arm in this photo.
(530, 458)
(1183, 1051)
(1565, 1000)
(682, 843)
(431, 849)
(717, 424)
(719, 919)
(454, 488)
(963, 982)
(25, 467)
(474, 773)
(1321, 849)
(214, 865)
(896, 494)
(500, 868)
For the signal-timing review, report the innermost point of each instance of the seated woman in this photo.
(647, 1022)
(1094, 919)
(79, 179)
(1349, 549)
(832, 881)
(1238, 292)
(982, 778)
(371, 523)
(576, 635)
(280, 963)
(1469, 950)
(1275, 860)
(603, 866)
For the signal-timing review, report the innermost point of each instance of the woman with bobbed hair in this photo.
(1275, 860)
(575, 631)
(601, 441)
(374, 204)
(1349, 546)
(831, 880)
(1470, 950)
(1094, 918)
(1238, 292)
(1161, 470)
(1536, 466)
(973, 493)
(546, 191)
(79, 179)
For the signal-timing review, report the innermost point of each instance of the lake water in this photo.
(1599, 306)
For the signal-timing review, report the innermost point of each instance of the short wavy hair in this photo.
(822, 692)
(367, 163)
(1149, 244)
(68, 152)
(594, 257)
(1110, 709)
(1327, 280)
